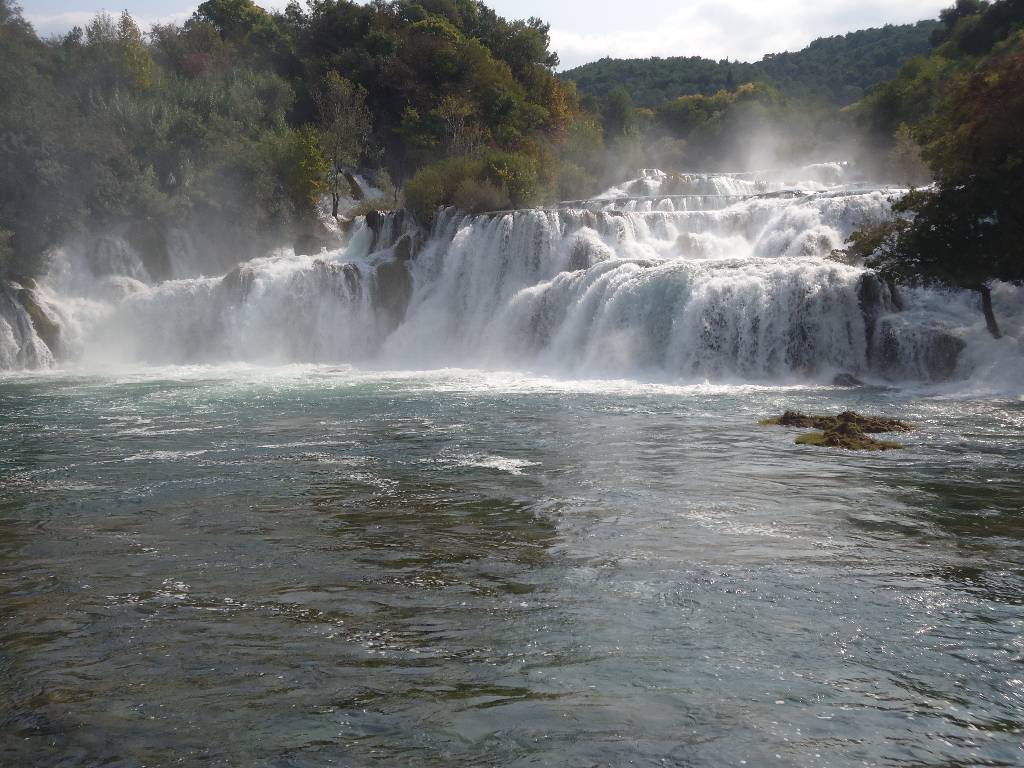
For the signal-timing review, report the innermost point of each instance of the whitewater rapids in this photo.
(721, 278)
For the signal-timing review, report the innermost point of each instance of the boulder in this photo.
(392, 292)
(237, 283)
(406, 248)
(580, 256)
(901, 350)
(340, 280)
(846, 380)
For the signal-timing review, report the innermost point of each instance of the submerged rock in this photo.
(847, 380)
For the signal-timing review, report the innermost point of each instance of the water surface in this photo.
(317, 566)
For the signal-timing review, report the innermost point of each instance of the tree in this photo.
(969, 229)
(619, 115)
(345, 125)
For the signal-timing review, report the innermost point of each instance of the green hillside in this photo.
(838, 70)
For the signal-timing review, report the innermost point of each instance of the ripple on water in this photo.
(293, 567)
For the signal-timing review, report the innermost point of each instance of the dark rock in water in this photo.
(375, 221)
(943, 355)
(580, 256)
(392, 292)
(847, 380)
(46, 327)
(406, 248)
(865, 423)
(904, 351)
(343, 281)
(875, 300)
(238, 282)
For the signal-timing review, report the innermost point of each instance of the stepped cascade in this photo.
(721, 277)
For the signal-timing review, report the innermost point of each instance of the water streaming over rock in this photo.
(689, 277)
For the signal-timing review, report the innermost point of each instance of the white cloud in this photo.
(59, 23)
(736, 29)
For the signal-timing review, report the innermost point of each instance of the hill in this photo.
(837, 70)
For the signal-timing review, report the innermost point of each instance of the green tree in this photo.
(969, 229)
(345, 125)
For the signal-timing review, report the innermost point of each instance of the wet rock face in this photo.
(237, 283)
(46, 327)
(943, 356)
(21, 344)
(875, 300)
(392, 288)
(407, 247)
(580, 256)
(934, 352)
(342, 281)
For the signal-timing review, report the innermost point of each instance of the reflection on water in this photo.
(324, 567)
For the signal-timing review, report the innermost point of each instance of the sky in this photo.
(586, 30)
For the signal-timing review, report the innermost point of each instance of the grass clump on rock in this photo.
(848, 430)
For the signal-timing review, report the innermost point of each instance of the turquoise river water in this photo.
(311, 566)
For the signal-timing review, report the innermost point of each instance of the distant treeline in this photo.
(835, 70)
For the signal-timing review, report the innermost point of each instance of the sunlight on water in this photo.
(289, 566)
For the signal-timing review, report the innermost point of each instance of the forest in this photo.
(837, 70)
(240, 120)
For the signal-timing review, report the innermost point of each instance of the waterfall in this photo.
(690, 277)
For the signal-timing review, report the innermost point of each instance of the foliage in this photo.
(434, 186)
(499, 181)
(240, 118)
(968, 229)
(515, 174)
(837, 70)
(346, 126)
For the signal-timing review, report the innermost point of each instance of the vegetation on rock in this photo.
(848, 430)
(873, 424)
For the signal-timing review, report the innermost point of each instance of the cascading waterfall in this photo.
(725, 277)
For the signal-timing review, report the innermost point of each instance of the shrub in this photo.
(435, 185)
(479, 196)
(515, 174)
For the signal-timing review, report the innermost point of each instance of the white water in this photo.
(715, 283)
